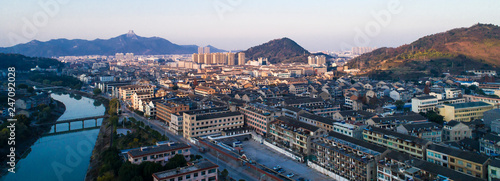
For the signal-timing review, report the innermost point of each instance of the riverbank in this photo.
(23, 147)
(103, 141)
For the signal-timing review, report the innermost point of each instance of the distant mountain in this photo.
(454, 51)
(282, 50)
(126, 43)
(24, 63)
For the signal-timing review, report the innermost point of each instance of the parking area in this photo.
(270, 158)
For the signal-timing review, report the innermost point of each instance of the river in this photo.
(62, 157)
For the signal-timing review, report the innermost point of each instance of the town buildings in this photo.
(466, 112)
(159, 153)
(200, 171)
(196, 124)
(258, 116)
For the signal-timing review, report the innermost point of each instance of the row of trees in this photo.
(113, 168)
(55, 80)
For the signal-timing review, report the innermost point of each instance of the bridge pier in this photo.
(96, 122)
(83, 124)
(69, 126)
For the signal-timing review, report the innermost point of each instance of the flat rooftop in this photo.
(425, 97)
(469, 105)
(149, 150)
(217, 115)
(203, 165)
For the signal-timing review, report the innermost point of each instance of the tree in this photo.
(427, 90)
(433, 117)
(176, 161)
(175, 87)
(128, 171)
(22, 86)
(97, 91)
(31, 90)
(108, 176)
(224, 173)
(195, 83)
(148, 168)
(399, 105)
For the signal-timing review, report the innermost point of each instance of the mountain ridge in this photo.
(281, 50)
(125, 43)
(453, 51)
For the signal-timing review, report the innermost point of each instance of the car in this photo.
(281, 170)
(277, 167)
(290, 175)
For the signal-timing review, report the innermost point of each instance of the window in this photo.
(469, 165)
(452, 160)
(211, 171)
(179, 178)
(145, 158)
(478, 168)
(460, 162)
(203, 172)
(188, 176)
(493, 172)
(195, 174)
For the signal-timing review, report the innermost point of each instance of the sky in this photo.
(316, 25)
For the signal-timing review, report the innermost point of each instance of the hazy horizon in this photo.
(239, 24)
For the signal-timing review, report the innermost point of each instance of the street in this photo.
(235, 172)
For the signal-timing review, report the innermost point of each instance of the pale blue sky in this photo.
(314, 24)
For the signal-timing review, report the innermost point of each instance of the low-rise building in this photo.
(303, 101)
(164, 111)
(492, 120)
(292, 134)
(347, 157)
(348, 129)
(452, 93)
(490, 100)
(325, 110)
(126, 92)
(204, 91)
(465, 112)
(455, 131)
(489, 145)
(138, 96)
(159, 153)
(356, 116)
(196, 124)
(494, 170)
(318, 121)
(425, 130)
(258, 116)
(201, 171)
(462, 161)
(398, 166)
(423, 104)
(390, 122)
(401, 142)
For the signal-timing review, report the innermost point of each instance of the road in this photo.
(235, 172)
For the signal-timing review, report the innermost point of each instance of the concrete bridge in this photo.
(69, 121)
